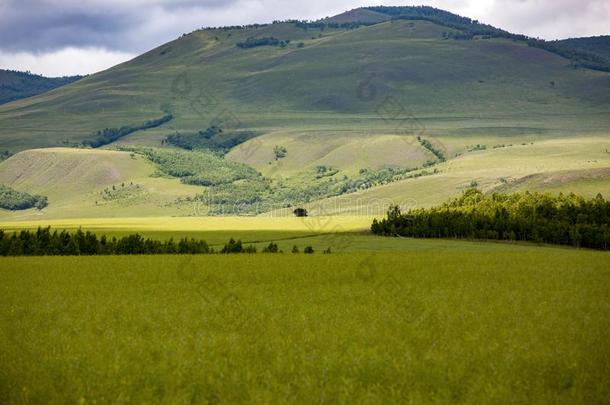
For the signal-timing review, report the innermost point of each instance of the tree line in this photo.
(543, 218)
(253, 42)
(45, 242)
(109, 135)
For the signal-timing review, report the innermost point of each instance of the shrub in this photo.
(279, 152)
(14, 200)
(271, 248)
(300, 212)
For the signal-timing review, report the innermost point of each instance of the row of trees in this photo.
(14, 200)
(253, 42)
(543, 218)
(433, 149)
(109, 135)
(44, 242)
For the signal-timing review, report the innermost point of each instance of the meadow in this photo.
(380, 320)
(440, 326)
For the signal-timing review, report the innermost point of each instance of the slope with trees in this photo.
(563, 219)
(15, 85)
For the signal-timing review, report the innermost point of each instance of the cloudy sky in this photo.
(65, 37)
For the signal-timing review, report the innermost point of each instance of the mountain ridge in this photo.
(15, 85)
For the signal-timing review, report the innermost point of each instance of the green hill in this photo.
(437, 98)
(377, 77)
(599, 45)
(16, 85)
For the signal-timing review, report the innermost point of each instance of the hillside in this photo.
(17, 85)
(390, 103)
(82, 182)
(375, 77)
(599, 45)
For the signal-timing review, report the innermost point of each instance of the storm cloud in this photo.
(57, 37)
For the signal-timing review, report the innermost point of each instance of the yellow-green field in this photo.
(420, 327)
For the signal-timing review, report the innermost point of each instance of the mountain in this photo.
(16, 85)
(404, 103)
(327, 77)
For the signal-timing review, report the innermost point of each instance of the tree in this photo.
(300, 212)
(280, 152)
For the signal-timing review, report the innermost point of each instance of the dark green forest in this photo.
(536, 217)
(213, 138)
(15, 85)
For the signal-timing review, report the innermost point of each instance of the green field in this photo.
(435, 327)
(365, 116)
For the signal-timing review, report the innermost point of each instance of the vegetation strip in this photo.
(14, 200)
(563, 220)
(109, 135)
(44, 242)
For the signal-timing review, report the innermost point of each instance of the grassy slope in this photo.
(583, 158)
(437, 327)
(74, 179)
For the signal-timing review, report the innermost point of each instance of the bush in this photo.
(14, 200)
(300, 212)
(271, 248)
(279, 152)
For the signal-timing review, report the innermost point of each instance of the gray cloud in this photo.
(39, 28)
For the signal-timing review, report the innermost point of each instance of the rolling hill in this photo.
(440, 98)
(92, 183)
(16, 85)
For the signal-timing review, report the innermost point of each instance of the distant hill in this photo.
(597, 45)
(451, 72)
(16, 85)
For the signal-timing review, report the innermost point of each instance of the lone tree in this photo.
(300, 212)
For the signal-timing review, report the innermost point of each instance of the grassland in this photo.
(434, 327)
